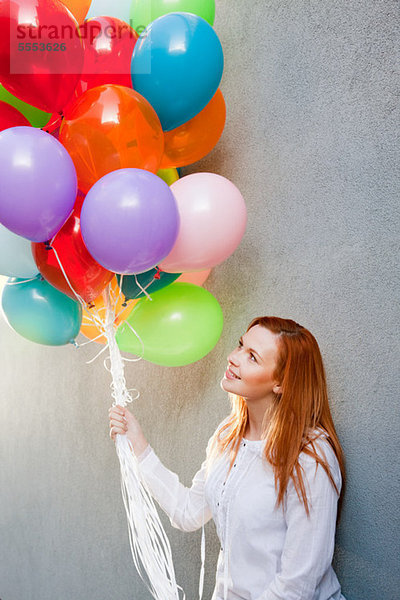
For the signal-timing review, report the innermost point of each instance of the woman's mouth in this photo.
(230, 375)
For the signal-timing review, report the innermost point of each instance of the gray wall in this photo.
(310, 141)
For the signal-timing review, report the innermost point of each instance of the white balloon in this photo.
(110, 8)
(16, 258)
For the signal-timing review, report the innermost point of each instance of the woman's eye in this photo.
(251, 356)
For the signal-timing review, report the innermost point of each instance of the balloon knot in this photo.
(48, 246)
(124, 304)
(91, 305)
(157, 274)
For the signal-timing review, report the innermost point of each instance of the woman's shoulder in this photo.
(217, 430)
(318, 442)
(217, 433)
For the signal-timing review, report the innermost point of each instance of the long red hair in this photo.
(301, 406)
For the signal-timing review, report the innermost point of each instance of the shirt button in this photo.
(234, 465)
(244, 444)
(222, 549)
(218, 504)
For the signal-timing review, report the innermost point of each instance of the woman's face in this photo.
(253, 363)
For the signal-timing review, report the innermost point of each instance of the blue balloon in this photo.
(177, 66)
(40, 313)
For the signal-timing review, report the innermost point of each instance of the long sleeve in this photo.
(309, 542)
(186, 508)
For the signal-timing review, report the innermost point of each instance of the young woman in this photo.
(272, 475)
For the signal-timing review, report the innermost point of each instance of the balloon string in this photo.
(123, 309)
(131, 359)
(137, 394)
(98, 322)
(138, 337)
(150, 548)
(90, 341)
(120, 392)
(19, 282)
(144, 288)
(120, 291)
(96, 319)
(94, 315)
(97, 355)
(80, 299)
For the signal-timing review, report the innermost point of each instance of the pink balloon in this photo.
(213, 221)
(197, 278)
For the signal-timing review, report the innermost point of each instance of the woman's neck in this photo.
(256, 412)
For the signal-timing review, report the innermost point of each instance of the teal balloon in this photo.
(40, 313)
(131, 290)
(178, 326)
(177, 65)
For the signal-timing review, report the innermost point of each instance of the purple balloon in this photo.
(38, 183)
(129, 221)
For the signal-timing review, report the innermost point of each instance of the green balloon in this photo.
(35, 116)
(144, 12)
(180, 325)
(168, 175)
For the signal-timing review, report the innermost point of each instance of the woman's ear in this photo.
(277, 389)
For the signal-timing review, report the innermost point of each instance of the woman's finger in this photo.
(117, 420)
(118, 423)
(114, 430)
(115, 413)
(118, 428)
(117, 409)
(117, 417)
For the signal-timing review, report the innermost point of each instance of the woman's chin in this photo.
(226, 385)
(221, 384)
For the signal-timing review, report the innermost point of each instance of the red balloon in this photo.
(41, 52)
(108, 54)
(109, 44)
(86, 276)
(11, 117)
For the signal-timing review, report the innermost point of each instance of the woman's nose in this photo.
(233, 358)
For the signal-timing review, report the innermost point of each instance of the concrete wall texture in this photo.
(310, 141)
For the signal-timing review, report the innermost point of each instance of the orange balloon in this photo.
(196, 138)
(97, 308)
(111, 127)
(198, 277)
(79, 8)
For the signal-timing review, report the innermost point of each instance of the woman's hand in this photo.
(124, 422)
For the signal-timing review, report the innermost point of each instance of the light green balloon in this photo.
(35, 116)
(144, 12)
(180, 325)
(168, 175)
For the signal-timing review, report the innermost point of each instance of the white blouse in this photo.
(266, 553)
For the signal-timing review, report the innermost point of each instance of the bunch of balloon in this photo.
(99, 234)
